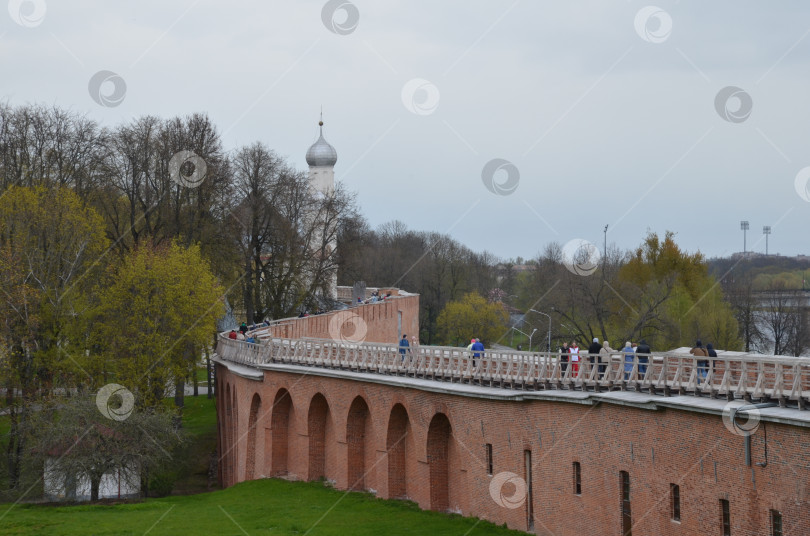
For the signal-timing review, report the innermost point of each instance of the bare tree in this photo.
(742, 297)
(783, 320)
(285, 232)
(72, 440)
(51, 147)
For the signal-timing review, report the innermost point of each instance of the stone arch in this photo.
(396, 447)
(250, 455)
(317, 420)
(280, 430)
(358, 432)
(438, 454)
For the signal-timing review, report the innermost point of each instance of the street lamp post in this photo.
(549, 326)
(530, 338)
(514, 329)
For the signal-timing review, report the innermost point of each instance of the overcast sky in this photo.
(599, 112)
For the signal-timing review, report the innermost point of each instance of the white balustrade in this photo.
(749, 376)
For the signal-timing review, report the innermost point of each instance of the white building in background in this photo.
(321, 158)
(119, 483)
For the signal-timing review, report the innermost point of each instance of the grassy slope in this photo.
(259, 507)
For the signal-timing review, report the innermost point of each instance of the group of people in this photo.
(305, 313)
(601, 354)
(374, 298)
(242, 334)
(476, 348)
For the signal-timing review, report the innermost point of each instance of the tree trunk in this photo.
(208, 372)
(12, 459)
(194, 379)
(179, 393)
(95, 482)
(249, 305)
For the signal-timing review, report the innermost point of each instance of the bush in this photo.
(162, 484)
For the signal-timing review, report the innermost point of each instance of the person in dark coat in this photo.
(564, 355)
(642, 351)
(593, 353)
(702, 364)
(712, 353)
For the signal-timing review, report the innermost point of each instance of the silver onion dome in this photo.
(321, 153)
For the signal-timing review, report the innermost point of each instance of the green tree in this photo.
(472, 316)
(667, 296)
(153, 319)
(50, 247)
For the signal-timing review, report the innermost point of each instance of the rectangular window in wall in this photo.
(577, 479)
(725, 515)
(489, 458)
(675, 501)
(776, 523)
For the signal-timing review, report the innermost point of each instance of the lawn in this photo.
(200, 423)
(269, 506)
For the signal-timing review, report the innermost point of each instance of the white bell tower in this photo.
(321, 158)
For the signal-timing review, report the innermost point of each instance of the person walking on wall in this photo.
(702, 364)
(643, 351)
(478, 350)
(629, 358)
(403, 347)
(574, 350)
(712, 353)
(593, 353)
(604, 358)
(564, 355)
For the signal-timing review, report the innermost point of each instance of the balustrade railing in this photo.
(782, 379)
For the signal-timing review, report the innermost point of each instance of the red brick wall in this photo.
(279, 433)
(396, 446)
(250, 459)
(656, 448)
(376, 322)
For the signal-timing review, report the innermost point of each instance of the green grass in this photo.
(258, 507)
(200, 425)
(201, 375)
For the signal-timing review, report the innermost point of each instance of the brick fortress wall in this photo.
(431, 448)
(377, 322)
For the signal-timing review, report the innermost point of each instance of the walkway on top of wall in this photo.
(634, 399)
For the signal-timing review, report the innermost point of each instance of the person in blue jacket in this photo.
(629, 357)
(477, 350)
(404, 345)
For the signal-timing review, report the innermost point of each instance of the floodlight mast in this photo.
(744, 227)
(766, 231)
